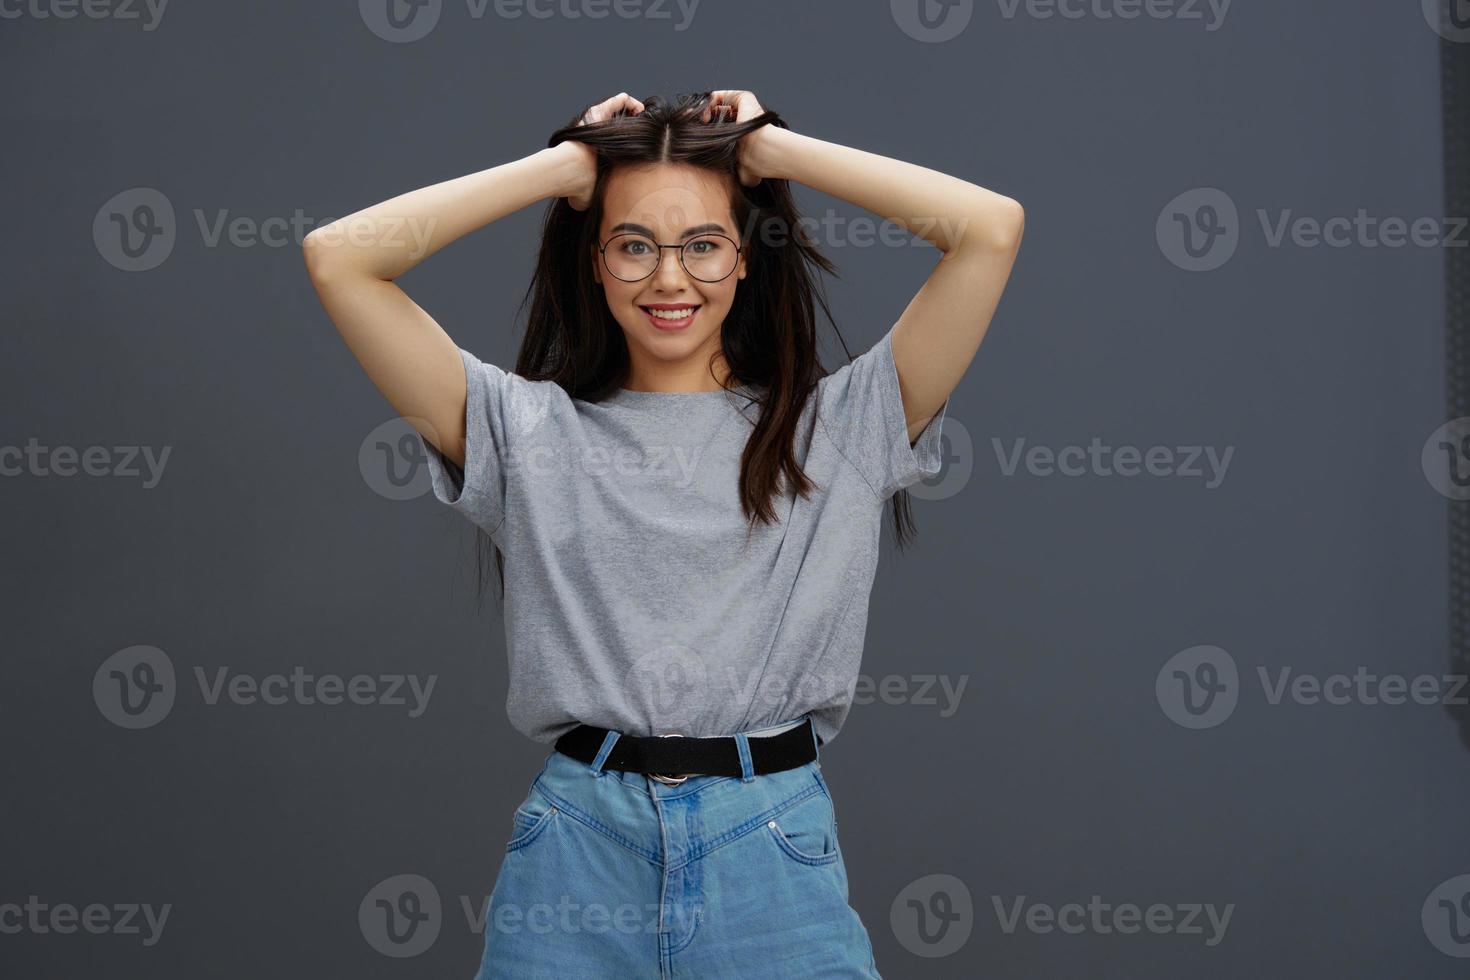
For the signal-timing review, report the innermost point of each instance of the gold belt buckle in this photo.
(670, 780)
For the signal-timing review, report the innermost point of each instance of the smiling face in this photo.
(669, 204)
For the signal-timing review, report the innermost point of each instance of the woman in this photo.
(685, 509)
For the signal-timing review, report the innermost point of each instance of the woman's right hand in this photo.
(584, 178)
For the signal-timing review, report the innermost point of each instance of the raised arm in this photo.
(354, 260)
(977, 230)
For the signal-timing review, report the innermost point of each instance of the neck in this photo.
(698, 374)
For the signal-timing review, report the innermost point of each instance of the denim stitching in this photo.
(602, 828)
(534, 831)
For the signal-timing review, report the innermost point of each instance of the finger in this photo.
(745, 106)
(732, 104)
(628, 104)
(607, 107)
(593, 114)
(713, 105)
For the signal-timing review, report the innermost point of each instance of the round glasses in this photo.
(632, 257)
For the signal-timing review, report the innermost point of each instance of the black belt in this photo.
(662, 757)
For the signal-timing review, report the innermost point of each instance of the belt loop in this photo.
(816, 739)
(747, 768)
(608, 741)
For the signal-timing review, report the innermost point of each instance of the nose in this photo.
(669, 276)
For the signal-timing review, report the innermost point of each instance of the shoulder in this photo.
(867, 385)
(866, 368)
(517, 403)
(860, 408)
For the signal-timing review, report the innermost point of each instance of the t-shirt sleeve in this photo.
(500, 407)
(862, 408)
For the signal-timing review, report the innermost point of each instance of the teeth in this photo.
(673, 314)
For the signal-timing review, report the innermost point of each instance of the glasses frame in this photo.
(602, 250)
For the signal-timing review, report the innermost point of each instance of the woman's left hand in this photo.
(740, 106)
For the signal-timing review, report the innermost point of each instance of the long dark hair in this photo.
(769, 337)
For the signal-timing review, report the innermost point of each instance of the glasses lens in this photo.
(631, 257)
(710, 257)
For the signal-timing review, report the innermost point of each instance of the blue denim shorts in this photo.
(615, 874)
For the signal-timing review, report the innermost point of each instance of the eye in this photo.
(703, 246)
(634, 246)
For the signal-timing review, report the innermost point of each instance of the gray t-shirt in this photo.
(633, 598)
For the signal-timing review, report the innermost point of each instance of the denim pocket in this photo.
(530, 819)
(807, 832)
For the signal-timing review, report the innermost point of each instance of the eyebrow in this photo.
(639, 229)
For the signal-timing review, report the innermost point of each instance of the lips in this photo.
(664, 323)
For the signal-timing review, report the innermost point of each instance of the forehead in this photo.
(666, 198)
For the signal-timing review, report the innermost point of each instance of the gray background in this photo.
(1058, 599)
